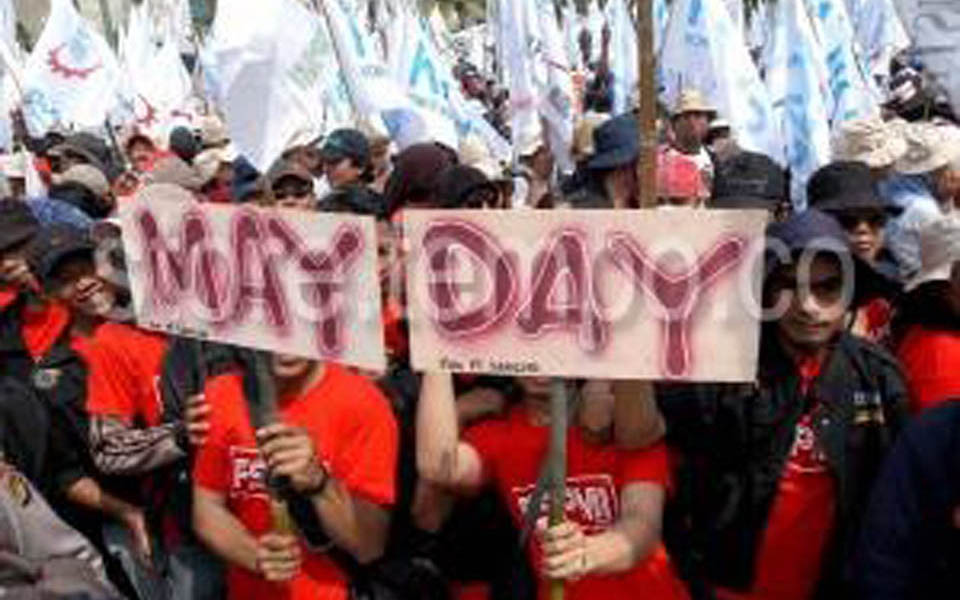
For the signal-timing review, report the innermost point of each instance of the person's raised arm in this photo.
(442, 459)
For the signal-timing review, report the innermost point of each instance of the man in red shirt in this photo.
(29, 324)
(335, 440)
(609, 546)
(775, 475)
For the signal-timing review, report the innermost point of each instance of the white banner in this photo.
(585, 293)
(296, 282)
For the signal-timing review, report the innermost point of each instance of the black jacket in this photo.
(910, 546)
(734, 440)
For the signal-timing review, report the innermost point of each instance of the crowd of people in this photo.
(132, 466)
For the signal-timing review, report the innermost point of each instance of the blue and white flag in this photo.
(72, 78)
(556, 90)
(520, 39)
(704, 50)
(661, 19)
(851, 95)
(799, 105)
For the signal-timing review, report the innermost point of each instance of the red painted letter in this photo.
(678, 293)
(439, 242)
(565, 261)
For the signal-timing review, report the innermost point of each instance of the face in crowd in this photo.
(341, 170)
(814, 302)
(77, 284)
(690, 129)
(141, 154)
(293, 192)
(865, 230)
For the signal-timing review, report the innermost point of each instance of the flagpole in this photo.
(647, 165)
(558, 464)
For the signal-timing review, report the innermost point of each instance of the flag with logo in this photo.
(800, 107)
(881, 35)
(72, 77)
(704, 50)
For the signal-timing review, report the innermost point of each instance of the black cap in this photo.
(844, 186)
(184, 143)
(55, 244)
(17, 224)
(749, 180)
(347, 143)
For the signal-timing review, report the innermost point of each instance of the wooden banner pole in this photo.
(558, 460)
(647, 165)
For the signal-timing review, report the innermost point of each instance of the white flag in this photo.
(556, 91)
(795, 89)
(155, 72)
(72, 77)
(704, 50)
(851, 95)
(272, 63)
(520, 38)
(623, 56)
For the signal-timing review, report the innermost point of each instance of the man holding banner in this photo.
(336, 444)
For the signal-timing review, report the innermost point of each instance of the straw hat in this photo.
(870, 141)
(929, 148)
(692, 101)
(939, 249)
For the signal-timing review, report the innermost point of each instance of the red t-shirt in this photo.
(354, 433)
(931, 364)
(124, 367)
(512, 451)
(40, 326)
(801, 519)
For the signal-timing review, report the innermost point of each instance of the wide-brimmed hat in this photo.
(288, 168)
(929, 147)
(939, 249)
(474, 153)
(692, 101)
(87, 176)
(347, 143)
(213, 132)
(845, 186)
(871, 141)
(616, 143)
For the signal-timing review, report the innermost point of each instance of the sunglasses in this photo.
(852, 220)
